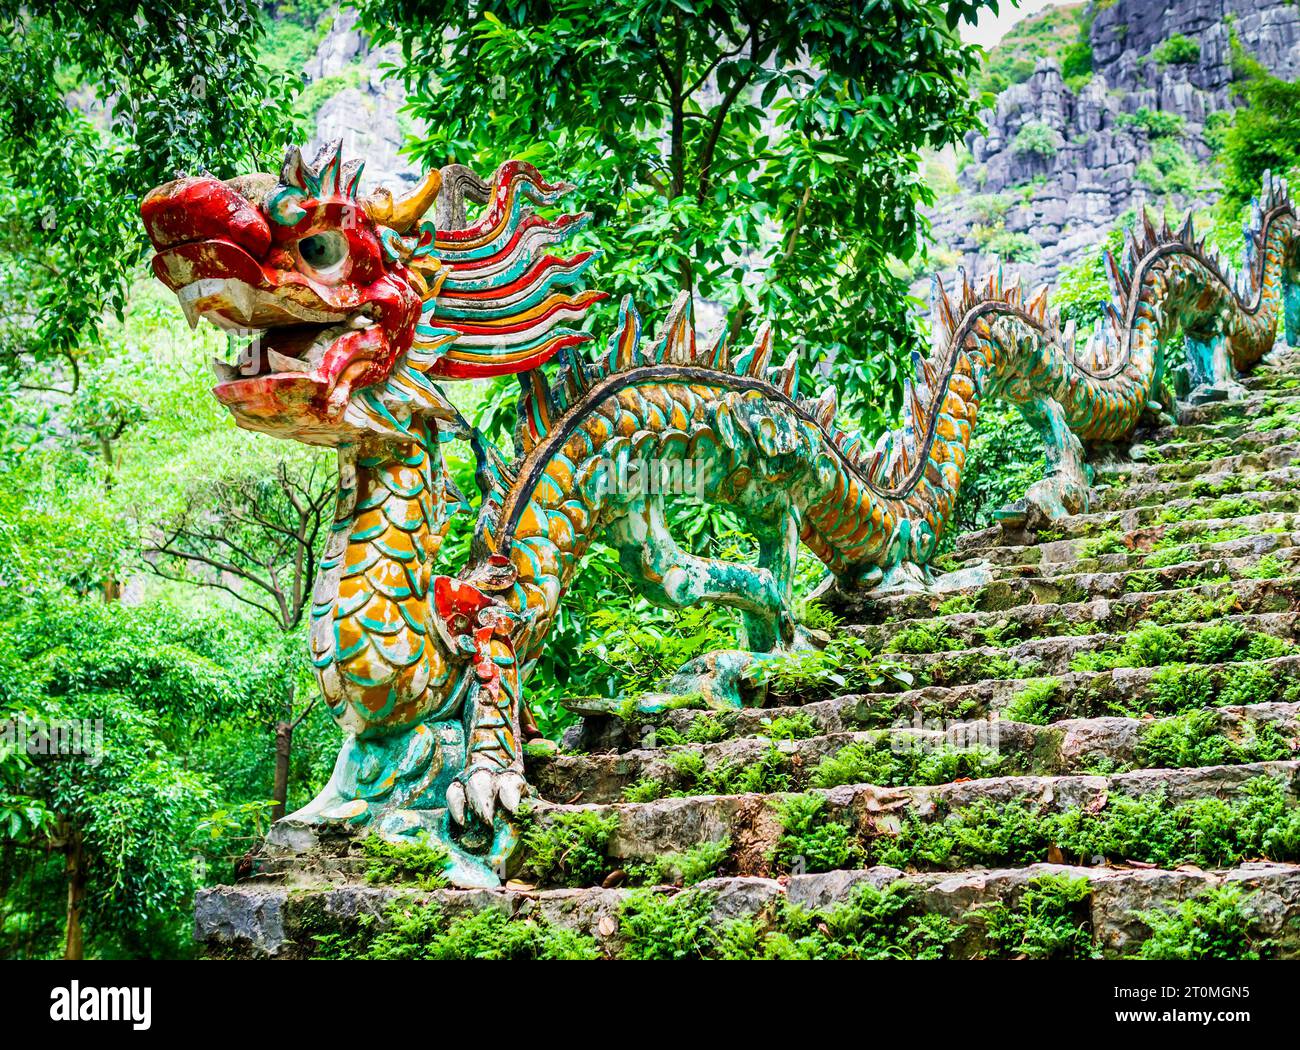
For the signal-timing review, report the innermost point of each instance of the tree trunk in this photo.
(75, 867)
(283, 749)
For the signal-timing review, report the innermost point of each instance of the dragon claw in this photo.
(511, 791)
(456, 802)
(479, 791)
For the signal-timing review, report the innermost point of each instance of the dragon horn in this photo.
(404, 212)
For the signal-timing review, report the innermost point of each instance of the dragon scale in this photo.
(366, 307)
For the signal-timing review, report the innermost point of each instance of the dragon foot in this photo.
(405, 787)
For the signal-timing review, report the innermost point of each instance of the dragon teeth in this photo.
(224, 372)
(281, 363)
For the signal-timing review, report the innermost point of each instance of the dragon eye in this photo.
(323, 252)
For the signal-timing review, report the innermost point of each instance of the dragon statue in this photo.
(361, 306)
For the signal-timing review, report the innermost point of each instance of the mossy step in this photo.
(1100, 615)
(1127, 691)
(1059, 654)
(274, 922)
(1207, 450)
(911, 755)
(1233, 550)
(1177, 520)
(1212, 485)
(1258, 460)
(868, 820)
(1107, 576)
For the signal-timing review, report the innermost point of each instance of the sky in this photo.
(988, 30)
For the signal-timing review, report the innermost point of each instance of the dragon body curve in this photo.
(364, 308)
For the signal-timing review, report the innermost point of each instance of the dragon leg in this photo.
(674, 578)
(1064, 489)
(1291, 313)
(1211, 370)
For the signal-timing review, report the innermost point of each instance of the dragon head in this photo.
(353, 304)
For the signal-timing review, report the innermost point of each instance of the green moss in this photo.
(799, 726)
(1208, 832)
(415, 863)
(415, 930)
(1176, 688)
(958, 603)
(811, 839)
(1269, 567)
(647, 789)
(884, 762)
(569, 849)
(1196, 739)
(923, 638)
(684, 869)
(871, 923)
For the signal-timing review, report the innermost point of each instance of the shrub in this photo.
(1217, 924)
(1035, 140)
(1178, 49)
(1050, 921)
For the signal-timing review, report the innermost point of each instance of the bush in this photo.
(1177, 50)
(1035, 140)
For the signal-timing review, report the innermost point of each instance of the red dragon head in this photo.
(353, 304)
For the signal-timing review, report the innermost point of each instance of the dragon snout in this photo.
(201, 209)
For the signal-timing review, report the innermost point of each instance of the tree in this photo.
(1265, 133)
(98, 103)
(762, 156)
(257, 537)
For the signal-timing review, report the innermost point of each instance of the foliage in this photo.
(1035, 702)
(569, 848)
(396, 862)
(1177, 50)
(811, 840)
(1169, 169)
(421, 930)
(1035, 140)
(1208, 832)
(1005, 458)
(888, 764)
(1049, 921)
(1217, 924)
(871, 923)
(1155, 122)
(683, 869)
(1264, 134)
(1054, 33)
(712, 156)
(180, 77)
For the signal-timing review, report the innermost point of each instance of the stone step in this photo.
(1254, 511)
(1100, 615)
(734, 916)
(1058, 654)
(1129, 691)
(1199, 449)
(1012, 587)
(909, 755)
(1214, 485)
(884, 824)
(1259, 460)
(1231, 551)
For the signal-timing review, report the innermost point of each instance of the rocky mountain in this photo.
(364, 111)
(1065, 153)
(1061, 162)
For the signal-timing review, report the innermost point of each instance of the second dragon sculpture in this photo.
(360, 306)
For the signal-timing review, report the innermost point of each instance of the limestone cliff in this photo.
(1058, 166)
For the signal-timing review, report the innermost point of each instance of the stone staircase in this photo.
(1086, 748)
